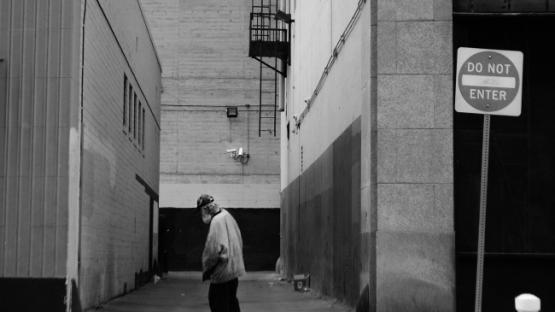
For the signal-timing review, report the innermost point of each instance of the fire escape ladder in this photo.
(269, 45)
(268, 100)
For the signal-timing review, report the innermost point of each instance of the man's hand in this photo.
(206, 275)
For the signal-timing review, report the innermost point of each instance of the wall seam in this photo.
(46, 137)
(19, 126)
(373, 175)
(60, 107)
(33, 155)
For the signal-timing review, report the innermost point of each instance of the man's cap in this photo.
(204, 199)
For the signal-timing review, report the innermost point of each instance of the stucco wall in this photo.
(314, 35)
(321, 160)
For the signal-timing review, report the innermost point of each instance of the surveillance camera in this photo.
(231, 150)
(307, 100)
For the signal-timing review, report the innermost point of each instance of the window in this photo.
(129, 111)
(134, 116)
(125, 83)
(143, 141)
(140, 125)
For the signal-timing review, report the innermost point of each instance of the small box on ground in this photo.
(301, 282)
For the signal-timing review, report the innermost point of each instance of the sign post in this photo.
(489, 82)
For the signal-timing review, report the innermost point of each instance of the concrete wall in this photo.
(115, 212)
(321, 165)
(204, 52)
(414, 218)
(37, 78)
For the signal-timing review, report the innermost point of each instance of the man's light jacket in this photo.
(223, 250)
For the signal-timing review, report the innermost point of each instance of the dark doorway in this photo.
(182, 236)
(520, 234)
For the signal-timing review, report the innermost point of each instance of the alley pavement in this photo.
(258, 291)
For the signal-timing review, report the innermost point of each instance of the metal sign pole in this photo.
(482, 220)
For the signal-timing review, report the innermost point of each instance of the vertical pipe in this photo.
(260, 102)
(275, 94)
(150, 234)
(262, 20)
(248, 127)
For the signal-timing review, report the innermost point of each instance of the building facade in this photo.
(379, 173)
(203, 48)
(80, 102)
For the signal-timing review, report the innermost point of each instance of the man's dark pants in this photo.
(223, 297)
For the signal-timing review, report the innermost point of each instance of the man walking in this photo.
(222, 258)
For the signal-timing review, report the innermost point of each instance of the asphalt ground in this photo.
(258, 291)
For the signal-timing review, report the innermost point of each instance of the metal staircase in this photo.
(269, 44)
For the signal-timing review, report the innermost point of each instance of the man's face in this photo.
(205, 214)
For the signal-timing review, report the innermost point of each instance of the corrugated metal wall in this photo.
(35, 78)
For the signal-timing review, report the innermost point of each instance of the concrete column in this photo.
(414, 157)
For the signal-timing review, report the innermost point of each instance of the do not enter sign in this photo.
(489, 82)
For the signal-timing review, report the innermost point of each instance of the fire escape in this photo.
(269, 45)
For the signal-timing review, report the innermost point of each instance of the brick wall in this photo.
(203, 49)
(115, 207)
